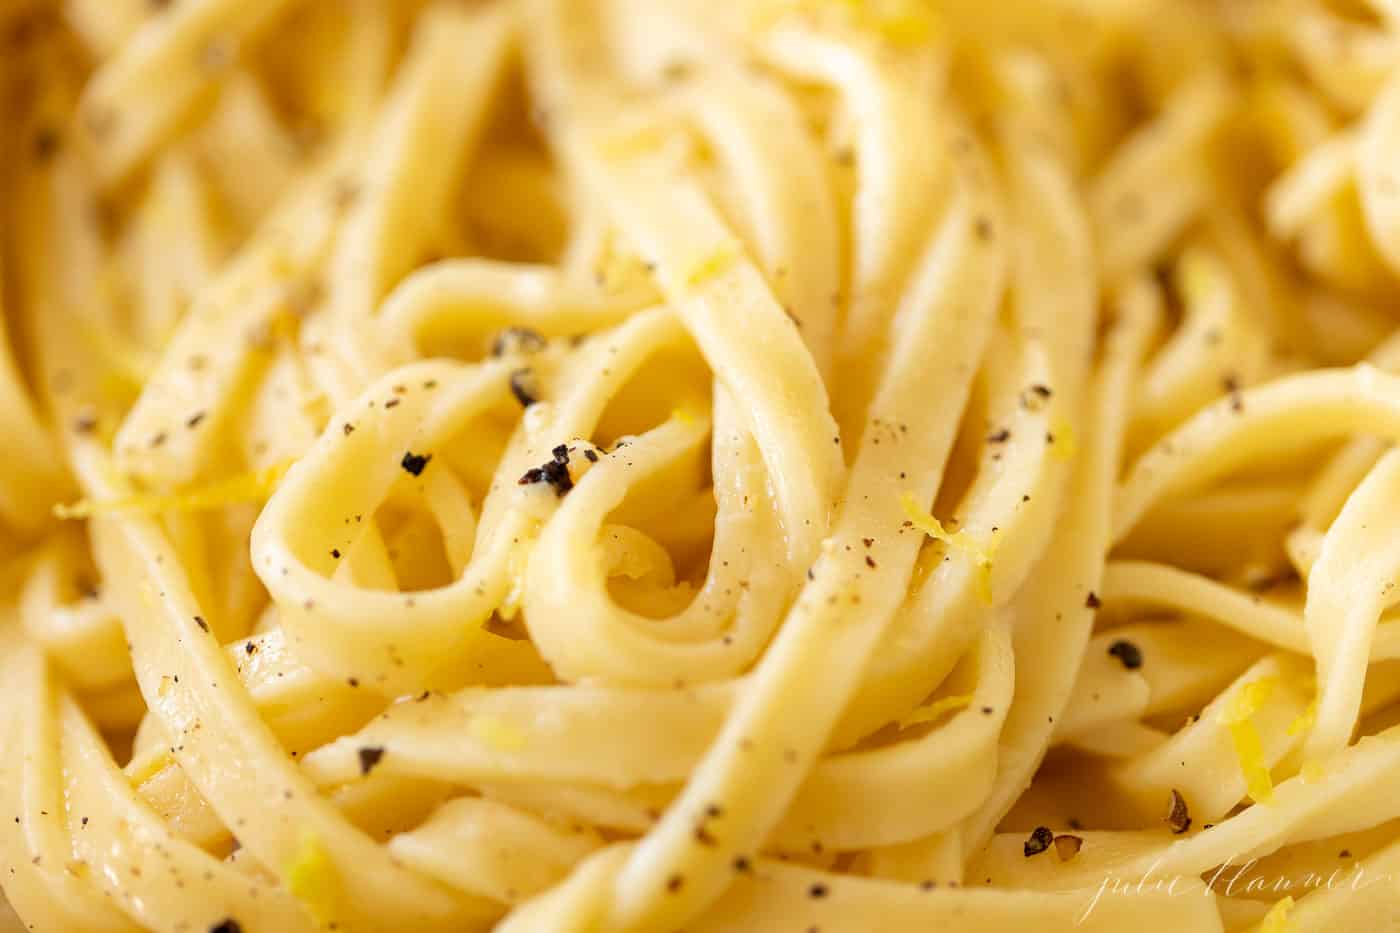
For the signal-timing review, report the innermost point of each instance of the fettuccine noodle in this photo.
(721, 465)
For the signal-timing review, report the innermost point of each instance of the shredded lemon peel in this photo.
(711, 265)
(1065, 445)
(311, 878)
(931, 712)
(1249, 748)
(253, 486)
(978, 553)
(1305, 722)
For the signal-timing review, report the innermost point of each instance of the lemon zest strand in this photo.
(245, 487)
(711, 265)
(1249, 748)
(931, 712)
(1064, 446)
(1304, 723)
(311, 879)
(980, 554)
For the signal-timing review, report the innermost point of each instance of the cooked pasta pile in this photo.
(643, 465)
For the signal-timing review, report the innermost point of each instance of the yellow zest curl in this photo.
(245, 487)
(712, 265)
(1249, 749)
(312, 879)
(961, 541)
(1304, 723)
(934, 711)
(1064, 446)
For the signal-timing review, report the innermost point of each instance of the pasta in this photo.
(582, 465)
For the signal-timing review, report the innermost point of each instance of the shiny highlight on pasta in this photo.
(642, 465)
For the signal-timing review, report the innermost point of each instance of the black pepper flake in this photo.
(1067, 846)
(1178, 817)
(591, 455)
(158, 439)
(335, 552)
(1127, 652)
(555, 472)
(983, 228)
(741, 864)
(353, 681)
(347, 429)
(999, 437)
(1345, 853)
(1092, 601)
(226, 925)
(510, 629)
(199, 620)
(1232, 388)
(250, 648)
(85, 423)
(818, 891)
(517, 340)
(392, 403)
(46, 143)
(1039, 840)
(369, 757)
(414, 463)
(675, 883)
(524, 386)
(705, 837)
(1034, 397)
(870, 562)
